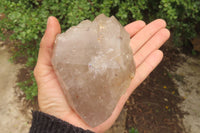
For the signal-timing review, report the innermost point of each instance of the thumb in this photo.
(44, 66)
(47, 42)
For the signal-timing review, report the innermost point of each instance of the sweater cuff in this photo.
(44, 123)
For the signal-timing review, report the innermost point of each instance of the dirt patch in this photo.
(153, 107)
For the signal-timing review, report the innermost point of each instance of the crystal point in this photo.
(94, 64)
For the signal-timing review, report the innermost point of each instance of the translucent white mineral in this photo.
(94, 65)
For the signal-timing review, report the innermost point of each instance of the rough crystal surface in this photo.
(94, 64)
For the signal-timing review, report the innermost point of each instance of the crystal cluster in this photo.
(94, 64)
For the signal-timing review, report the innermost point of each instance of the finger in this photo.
(153, 44)
(146, 33)
(53, 28)
(47, 42)
(134, 27)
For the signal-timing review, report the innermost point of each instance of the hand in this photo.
(145, 42)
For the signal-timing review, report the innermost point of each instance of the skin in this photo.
(145, 42)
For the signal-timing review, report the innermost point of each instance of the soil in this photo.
(159, 104)
(153, 107)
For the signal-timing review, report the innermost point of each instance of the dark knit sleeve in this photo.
(44, 123)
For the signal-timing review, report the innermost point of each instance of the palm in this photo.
(145, 40)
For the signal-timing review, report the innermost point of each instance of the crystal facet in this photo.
(94, 65)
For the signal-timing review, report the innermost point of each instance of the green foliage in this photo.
(132, 130)
(29, 87)
(182, 16)
(27, 19)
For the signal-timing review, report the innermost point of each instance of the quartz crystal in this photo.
(94, 65)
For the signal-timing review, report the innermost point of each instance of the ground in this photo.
(167, 101)
(15, 116)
